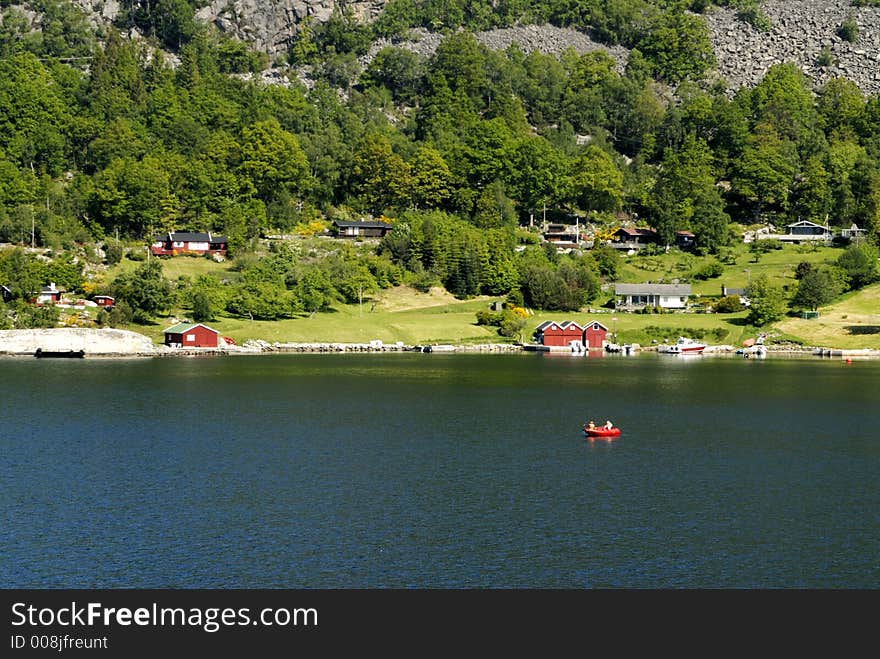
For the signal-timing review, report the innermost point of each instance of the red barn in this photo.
(104, 301)
(594, 335)
(191, 335)
(551, 333)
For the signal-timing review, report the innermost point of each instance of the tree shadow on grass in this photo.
(863, 329)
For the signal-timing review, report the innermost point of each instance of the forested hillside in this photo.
(104, 135)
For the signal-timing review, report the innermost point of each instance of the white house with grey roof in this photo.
(638, 296)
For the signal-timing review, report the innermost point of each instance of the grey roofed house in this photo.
(668, 296)
(367, 229)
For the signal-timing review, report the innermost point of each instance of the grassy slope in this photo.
(851, 323)
(402, 314)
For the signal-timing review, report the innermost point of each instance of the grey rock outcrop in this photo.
(94, 342)
(800, 30)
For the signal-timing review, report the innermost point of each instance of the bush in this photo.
(728, 304)
(114, 253)
(136, 255)
(825, 57)
(710, 270)
(849, 30)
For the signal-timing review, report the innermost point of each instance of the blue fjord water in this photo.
(439, 471)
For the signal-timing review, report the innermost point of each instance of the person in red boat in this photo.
(608, 425)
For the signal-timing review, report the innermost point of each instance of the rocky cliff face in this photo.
(271, 25)
(800, 30)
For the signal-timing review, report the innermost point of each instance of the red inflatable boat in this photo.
(602, 432)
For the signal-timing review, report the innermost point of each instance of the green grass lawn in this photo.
(779, 265)
(402, 314)
(173, 268)
(398, 315)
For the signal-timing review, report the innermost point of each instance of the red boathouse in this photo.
(594, 335)
(191, 335)
(552, 333)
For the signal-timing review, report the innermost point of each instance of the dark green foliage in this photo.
(728, 304)
(767, 302)
(607, 261)
(29, 316)
(749, 11)
(710, 270)
(145, 290)
(859, 263)
(816, 288)
(802, 269)
(849, 29)
(113, 253)
(825, 57)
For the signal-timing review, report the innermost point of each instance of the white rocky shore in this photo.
(93, 342)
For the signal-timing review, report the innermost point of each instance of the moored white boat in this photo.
(683, 346)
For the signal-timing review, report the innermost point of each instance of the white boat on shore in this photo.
(683, 346)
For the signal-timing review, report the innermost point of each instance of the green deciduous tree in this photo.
(145, 290)
(767, 302)
(273, 160)
(859, 263)
(816, 288)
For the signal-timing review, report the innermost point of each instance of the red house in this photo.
(551, 333)
(104, 301)
(191, 335)
(185, 242)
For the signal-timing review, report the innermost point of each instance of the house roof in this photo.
(105, 297)
(564, 325)
(637, 232)
(807, 223)
(652, 289)
(180, 328)
(192, 236)
(342, 224)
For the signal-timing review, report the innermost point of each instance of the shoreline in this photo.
(109, 343)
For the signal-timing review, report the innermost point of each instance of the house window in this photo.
(191, 338)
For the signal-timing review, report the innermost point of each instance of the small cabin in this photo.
(191, 335)
(626, 238)
(48, 295)
(104, 301)
(853, 232)
(185, 242)
(362, 229)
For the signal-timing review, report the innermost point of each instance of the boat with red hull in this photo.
(601, 432)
